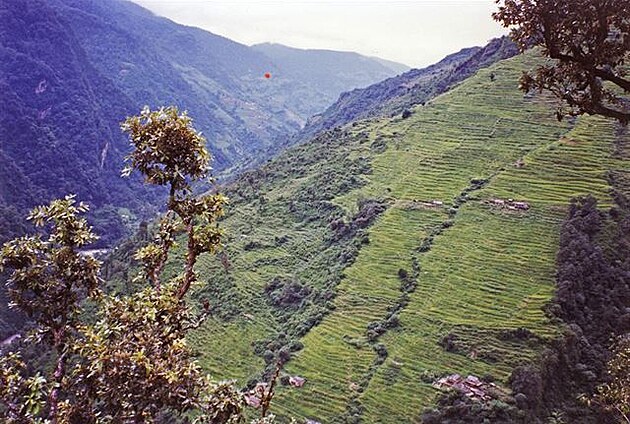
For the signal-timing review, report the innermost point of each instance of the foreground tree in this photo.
(49, 280)
(132, 365)
(589, 41)
(614, 395)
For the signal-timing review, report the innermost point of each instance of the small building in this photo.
(297, 381)
(252, 400)
(471, 386)
(471, 380)
(521, 205)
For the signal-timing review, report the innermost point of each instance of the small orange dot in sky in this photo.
(267, 75)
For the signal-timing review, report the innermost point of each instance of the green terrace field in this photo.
(444, 276)
(277, 227)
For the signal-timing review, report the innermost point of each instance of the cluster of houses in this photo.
(471, 386)
(419, 204)
(506, 204)
(255, 396)
(509, 204)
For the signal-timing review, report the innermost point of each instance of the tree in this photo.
(131, 364)
(589, 41)
(615, 394)
(49, 280)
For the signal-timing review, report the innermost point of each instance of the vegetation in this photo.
(398, 94)
(371, 262)
(361, 258)
(71, 71)
(314, 68)
(615, 395)
(129, 363)
(589, 41)
(49, 280)
(572, 381)
(60, 132)
(305, 276)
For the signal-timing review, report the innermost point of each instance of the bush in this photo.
(402, 274)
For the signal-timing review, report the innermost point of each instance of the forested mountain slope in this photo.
(72, 70)
(328, 72)
(220, 82)
(59, 119)
(376, 257)
(381, 256)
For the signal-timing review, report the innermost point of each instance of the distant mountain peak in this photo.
(279, 50)
(71, 70)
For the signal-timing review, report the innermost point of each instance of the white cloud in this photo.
(417, 33)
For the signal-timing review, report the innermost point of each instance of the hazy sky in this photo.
(414, 32)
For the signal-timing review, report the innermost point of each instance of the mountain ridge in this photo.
(384, 254)
(416, 86)
(326, 71)
(88, 64)
(282, 50)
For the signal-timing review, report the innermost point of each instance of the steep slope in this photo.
(481, 273)
(377, 256)
(328, 73)
(378, 259)
(72, 70)
(412, 88)
(221, 82)
(155, 61)
(47, 148)
(59, 117)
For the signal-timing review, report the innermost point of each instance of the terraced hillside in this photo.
(415, 87)
(394, 251)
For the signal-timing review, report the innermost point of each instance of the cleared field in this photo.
(492, 271)
(337, 354)
(442, 259)
(489, 272)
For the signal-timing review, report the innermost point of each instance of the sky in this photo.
(414, 32)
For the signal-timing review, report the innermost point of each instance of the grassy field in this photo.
(473, 271)
(276, 227)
